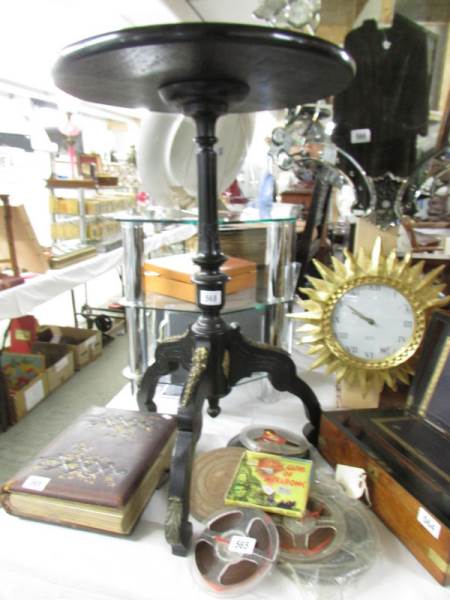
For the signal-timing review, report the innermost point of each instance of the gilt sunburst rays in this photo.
(422, 292)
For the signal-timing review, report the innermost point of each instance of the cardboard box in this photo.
(26, 382)
(26, 398)
(171, 276)
(59, 363)
(86, 344)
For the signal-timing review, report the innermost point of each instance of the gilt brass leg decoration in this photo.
(198, 367)
(178, 529)
(169, 355)
(251, 357)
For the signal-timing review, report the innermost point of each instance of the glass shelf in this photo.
(257, 298)
(280, 213)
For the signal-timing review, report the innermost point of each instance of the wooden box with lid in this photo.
(406, 454)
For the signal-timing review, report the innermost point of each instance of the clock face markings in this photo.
(372, 321)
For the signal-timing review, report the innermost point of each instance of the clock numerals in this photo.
(373, 321)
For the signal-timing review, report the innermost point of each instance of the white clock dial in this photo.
(372, 322)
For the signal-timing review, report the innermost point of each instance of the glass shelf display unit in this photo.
(260, 309)
(82, 211)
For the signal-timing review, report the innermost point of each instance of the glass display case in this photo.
(82, 211)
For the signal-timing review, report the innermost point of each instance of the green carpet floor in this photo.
(95, 384)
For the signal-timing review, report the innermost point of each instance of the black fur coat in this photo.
(389, 96)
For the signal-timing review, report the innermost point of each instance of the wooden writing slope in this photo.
(406, 454)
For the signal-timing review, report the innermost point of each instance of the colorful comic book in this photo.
(272, 483)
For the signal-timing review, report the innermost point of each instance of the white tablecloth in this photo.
(48, 562)
(21, 300)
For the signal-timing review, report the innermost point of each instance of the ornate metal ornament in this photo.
(386, 211)
(172, 525)
(199, 364)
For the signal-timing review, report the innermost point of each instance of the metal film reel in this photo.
(274, 440)
(317, 535)
(347, 551)
(219, 563)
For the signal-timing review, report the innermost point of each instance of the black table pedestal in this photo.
(215, 354)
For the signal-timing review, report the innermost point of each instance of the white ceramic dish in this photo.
(166, 153)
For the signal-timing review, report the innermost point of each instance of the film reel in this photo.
(274, 440)
(332, 544)
(317, 535)
(236, 551)
(212, 473)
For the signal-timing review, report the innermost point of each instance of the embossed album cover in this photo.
(99, 473)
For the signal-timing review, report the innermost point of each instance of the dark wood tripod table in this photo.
(206, 70)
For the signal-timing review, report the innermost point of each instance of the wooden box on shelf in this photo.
(171, 276)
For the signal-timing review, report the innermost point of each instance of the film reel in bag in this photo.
(236, 551)
(333, 543)
(275, 440)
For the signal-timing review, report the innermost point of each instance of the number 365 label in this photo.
(429, 522)
(242, 544)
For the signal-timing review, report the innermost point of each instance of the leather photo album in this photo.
(99, 473)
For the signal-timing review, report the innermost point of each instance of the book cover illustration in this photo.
(271, 482)
(19, 369)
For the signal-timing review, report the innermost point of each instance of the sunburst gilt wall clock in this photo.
(365, 317)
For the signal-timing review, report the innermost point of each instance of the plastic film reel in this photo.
(274, 440)
(223, 565)
(317, 535)
(337, 543)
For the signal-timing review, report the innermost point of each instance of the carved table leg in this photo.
(248, 357)
(178, 529)
(169, 355)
